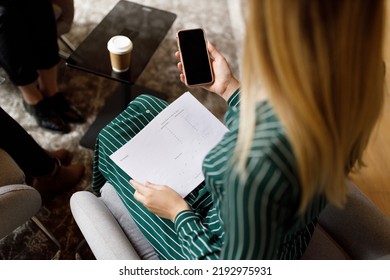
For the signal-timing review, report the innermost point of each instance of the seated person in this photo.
(29, 55)
(290, 145)
(49, 172)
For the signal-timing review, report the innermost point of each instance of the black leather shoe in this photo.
(65, 109)
(46, 117)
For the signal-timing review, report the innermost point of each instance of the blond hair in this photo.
(321, 65)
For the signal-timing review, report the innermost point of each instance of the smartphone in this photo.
(195, 57)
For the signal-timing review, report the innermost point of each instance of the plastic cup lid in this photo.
(119, 44)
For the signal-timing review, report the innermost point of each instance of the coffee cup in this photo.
(120, 48)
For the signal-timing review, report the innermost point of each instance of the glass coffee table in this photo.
(146, 27)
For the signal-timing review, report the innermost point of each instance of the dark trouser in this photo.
(24, 150)
(28, 39)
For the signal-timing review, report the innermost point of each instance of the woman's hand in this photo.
(224, 82)
(160, 200)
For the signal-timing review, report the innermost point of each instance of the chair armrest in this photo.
(323, 247)
(117, 208)
(12, 215)
(10, 173)
(100, 229)
(360, 227)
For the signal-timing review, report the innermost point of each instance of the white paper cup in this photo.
(120, 48)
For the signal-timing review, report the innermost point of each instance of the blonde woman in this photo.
(291, 143)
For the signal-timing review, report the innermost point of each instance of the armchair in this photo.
(358, 231)
(18, 201)
(108, 229)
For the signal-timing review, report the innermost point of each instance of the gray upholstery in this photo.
(357, 231)
(12, 215)
(363, 221)
(102, 232)
(18, 202)
(131, 230)
(107, 226)
(10, 172)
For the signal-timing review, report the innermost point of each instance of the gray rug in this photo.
(221, 21)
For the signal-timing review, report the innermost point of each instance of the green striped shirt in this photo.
(252, 217)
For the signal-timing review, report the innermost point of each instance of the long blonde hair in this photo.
(320, 62)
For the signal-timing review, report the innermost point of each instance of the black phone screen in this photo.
(195, 58)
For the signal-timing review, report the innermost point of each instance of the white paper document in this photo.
(171, 148)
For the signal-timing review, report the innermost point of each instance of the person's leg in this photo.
(45, 46)
(47, 54)
(26, 152)
(48, 173)
(160, 232)
(16, 50)
(19, 54)
(49, 87)
(31, 94)
(43, 38)
(48, 81)
(28, 43)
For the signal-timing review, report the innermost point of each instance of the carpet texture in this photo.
(221, 20)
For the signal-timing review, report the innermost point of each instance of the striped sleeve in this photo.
(198, 240)
(234, 100)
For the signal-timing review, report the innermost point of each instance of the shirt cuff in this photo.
(183, 218)
(234, 100)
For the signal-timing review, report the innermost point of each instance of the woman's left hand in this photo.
(159, 199)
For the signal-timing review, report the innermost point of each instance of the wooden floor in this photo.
(374, 180)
